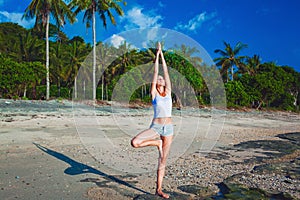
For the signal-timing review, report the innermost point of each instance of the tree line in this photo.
(256, 84)
(27, 73)
(22, 55)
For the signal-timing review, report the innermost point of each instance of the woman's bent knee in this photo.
(134, 143)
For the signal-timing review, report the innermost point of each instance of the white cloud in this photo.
(147, 22)
(116, 40)
(196, 22)
(136, 18)
(16, 18)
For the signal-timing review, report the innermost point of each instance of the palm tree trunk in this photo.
(184, 98)
(231, 73)
(259, 105)
(47, 59)
(58, 87)
(25, 90)
(295, 95)
(142, 92)
(102, 88)
(84, 95)
(94, 55)
(106, 92)
(75, 87)
(227, 75)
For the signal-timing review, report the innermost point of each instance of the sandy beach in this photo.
(48, 151)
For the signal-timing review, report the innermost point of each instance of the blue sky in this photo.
(270, 28)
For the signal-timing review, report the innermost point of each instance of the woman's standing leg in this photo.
(166, 145)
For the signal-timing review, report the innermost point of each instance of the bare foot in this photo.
(161, 194)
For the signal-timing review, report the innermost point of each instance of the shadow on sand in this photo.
(80, 168)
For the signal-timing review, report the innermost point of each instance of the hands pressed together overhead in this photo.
(159, 47)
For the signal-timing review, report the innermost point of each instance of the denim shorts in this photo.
(162, 129)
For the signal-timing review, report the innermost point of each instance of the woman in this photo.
(160, 133)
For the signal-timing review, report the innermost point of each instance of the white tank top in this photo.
(162, 106)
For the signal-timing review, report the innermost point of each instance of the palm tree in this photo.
(187, 53)
(229, 58)
(253, 64)
(29, 48)
(77, 53)
(91, 7)
(128, 57)
(106, 54)
(41, 10)
(58, 55)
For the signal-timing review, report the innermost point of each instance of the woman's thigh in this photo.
(148, 134)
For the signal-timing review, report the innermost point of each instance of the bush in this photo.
(41, 92)
(236, 94)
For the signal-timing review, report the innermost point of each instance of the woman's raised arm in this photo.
(155, 74)
(166, 74)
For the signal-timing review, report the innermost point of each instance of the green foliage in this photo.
(25, 98)
(16, 77)
(54, 91)
(236, 94)
(10, 40)
(20, 44)
(258, 85)
(272, 86)
(229, 59)
(285, 101)
(186, 69)
(147, 99)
